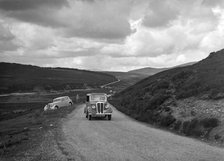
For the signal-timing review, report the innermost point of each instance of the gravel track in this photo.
(124, 139)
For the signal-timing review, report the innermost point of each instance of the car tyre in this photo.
(109, 117)
(89, 117)
(56, 107)
(70, 103)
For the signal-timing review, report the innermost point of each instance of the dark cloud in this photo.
(10, 5)
(213, 3)
(104, 29)
(160, 13)
(80, 18)
(42, 17)
(99, 20)
(41, 12)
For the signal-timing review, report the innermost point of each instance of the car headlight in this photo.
(93, 106)
(107, 106)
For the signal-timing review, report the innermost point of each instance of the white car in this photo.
(58, 102)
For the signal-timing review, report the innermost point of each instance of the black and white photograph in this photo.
(111, 80)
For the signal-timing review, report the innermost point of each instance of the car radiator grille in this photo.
(99, 107)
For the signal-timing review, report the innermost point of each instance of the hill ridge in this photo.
(19, 77)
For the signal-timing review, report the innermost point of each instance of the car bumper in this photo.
(99, 114)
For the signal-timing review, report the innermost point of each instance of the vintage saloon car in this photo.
(97, 106)
(58, 102)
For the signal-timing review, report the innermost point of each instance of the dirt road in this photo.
(102, 86)
(123, 138)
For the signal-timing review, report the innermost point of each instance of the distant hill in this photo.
(126, 79)
(131, 77)
(186, 64)
(18, 77)
(148, 71)
(151, 71)
(166, 98)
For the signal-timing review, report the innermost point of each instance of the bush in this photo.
(213, 93)
(167, 120)
(185, 127)
(217, 137)
(198, 128)
(187, 93)
(145, 116)
(192, 128)
(157, 100)
(160, 85)
(209, 122)
(182, 75)
(177, 125)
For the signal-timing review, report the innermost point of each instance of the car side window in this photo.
(87, 98)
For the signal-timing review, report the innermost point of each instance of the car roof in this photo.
(96, 94)
(61, 97)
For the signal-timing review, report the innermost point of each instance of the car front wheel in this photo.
(109, 117)
(89, 117)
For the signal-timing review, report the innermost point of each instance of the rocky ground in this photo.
(194, 108)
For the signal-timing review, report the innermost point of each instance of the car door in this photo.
(59, 102)
(63, 102)
(67, 101)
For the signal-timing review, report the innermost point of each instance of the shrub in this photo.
(157, 100)
(177, 125)
(192, 128)
(213, 93)
(209, 122)
(193, 124)
(160, 85)
(193, 113)
(217, 137)
(182, 75)
(185, 127)
(198, 128)
(187, 93)
(166, 121)
(167, 108)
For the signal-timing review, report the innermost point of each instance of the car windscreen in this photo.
(56, 100)
(98, 97)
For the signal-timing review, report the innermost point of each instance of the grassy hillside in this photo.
(159, 99)
(18, 77)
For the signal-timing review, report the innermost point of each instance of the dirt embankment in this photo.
(201, 118)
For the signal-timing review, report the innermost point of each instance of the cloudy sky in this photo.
(110, 34)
